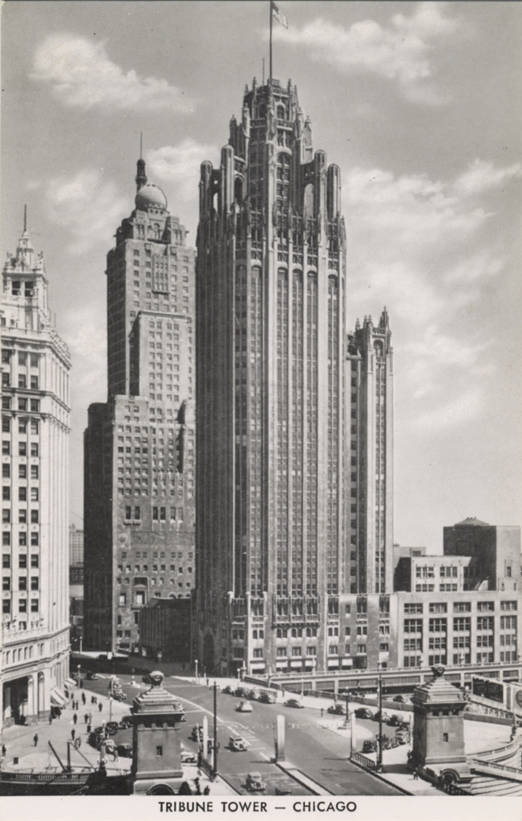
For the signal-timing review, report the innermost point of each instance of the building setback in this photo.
(139, 445)
(35, 493)
(369, 463)
(273, 538)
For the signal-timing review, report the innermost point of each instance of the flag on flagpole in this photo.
(278, 16)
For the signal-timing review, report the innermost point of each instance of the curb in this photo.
(304, 780)
(381, 778)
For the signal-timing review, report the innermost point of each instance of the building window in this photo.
(445, 737)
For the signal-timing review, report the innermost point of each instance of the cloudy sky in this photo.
(419, 105)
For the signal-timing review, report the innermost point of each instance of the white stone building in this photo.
(34, 634)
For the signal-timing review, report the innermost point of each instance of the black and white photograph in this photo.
(261, 409)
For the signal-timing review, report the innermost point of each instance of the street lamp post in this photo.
(78, 673)
(215, 744)
(196, 668)
(379, 702)
(347, 701)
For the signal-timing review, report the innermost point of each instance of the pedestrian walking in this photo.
(95, 699)
(206, 791)
(73, 733)
(92, 699)
(322, 712)
(83, 698)
(4, 751)
(89, 728)
(86, 718)
(75, 718)
(415, 774)
(100, 707)
(50, 718)
(35, 739)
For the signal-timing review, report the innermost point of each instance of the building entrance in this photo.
(15, 701)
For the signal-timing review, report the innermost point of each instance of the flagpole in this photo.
(270, 41)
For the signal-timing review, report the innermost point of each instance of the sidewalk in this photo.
(19, 741)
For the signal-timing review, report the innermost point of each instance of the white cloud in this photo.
(82, 75)
(483, 176)
(178, 165)
(428, 249)
(86, 204)
(400, 52)
(453, 411)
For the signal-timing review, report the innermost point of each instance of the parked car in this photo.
(267, 698)
(125, 723)
(124, 750)
(90, 675)
(244, 707)
(228, 689)
(294, 702)
(399, 699)
(369, 746)
(119, 695)
(253, 694)
(403, 736)
(363, 712)
(255, 783)
(240, 692)
(336, 709)
(385, 716)
(237, 744)
(112, 727)
(197, 733)
(394, 720)
(188, 757)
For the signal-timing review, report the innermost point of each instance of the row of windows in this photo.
(23, 358)
(22, 494)
(22, 471)
(22, 560)
(22, 425)
(22, 583)
(34, 449)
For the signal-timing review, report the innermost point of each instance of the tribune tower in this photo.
(270, 305)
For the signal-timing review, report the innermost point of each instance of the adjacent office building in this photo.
(278, 544)
(463, 607)
(139, 445)
(35, 493)
(76, 586)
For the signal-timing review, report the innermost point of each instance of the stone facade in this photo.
(139, 446)
(273, 416)
(35, 492)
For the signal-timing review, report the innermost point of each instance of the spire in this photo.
(141, 177)
(25, 218)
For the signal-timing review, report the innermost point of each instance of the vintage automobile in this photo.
(124, 749)
(255, 783)
(112, 727)
(197, 733)
(267, 698)
(244, 707)
(188, 756)
(363, 712)
(237, 744)
(294, 702)
(336, 709)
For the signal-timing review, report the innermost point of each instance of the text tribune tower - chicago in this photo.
(270, 297)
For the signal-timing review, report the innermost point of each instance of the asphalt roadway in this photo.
(318, 752)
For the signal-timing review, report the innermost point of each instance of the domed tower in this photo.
(139, 446)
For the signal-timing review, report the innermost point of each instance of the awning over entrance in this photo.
(70, 683)
(57, 698)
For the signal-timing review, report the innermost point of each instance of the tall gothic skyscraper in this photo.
(139, 445)
(270, 299)
(34, 633)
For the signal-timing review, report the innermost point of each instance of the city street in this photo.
(315, 750)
